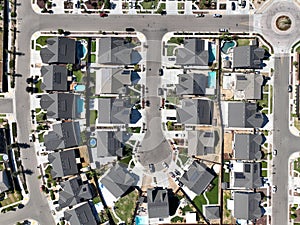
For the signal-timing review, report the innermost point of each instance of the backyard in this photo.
(125, 207)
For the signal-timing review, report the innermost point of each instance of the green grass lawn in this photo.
(93, 116)
(264, 173)
(264, 164)
(42, 40)
(170, 50)
(213, 194)
(40, 117)
(243, 42)
(126, 160)
(78, 74)
(11, 198)
(41, 137)
(297, 165)
(125, 207)
(199, 201)
(93, 47)
(226, 177)
(96, 200)
(176, 40)
(1, 166)
(38, 86)
(264, 101)
(177, 219)
(148, 5)
(298, 50)
(93, 58)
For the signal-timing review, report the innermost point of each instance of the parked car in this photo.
(243, 4)
(163, 13)
(274, 152)
(172, 174)
(165, 165)
(161, 72)
(274, 189)
(200, 15)
(177, 172)
(217, 15)
(233, 6)
(103, 14)
(171, 59)
(151, 168)
(223, 30)
(290, 88)
(129, 29)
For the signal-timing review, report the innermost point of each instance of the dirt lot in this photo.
(228, 137)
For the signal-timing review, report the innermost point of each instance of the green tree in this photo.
(295, 63)
(60, 31)
(70, 67)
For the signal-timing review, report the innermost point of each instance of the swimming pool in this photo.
(227, 45)
(212, 52)
(79, 87)
(92, 142)
(141, 220)
(81, 50)
(212, 79)
(80, 105)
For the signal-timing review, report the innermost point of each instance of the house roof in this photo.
(74, 191)
(113, 81)
(191, 84)
(248, 57)
(247, 146)
(63, 163)
(109, 143)
(201, 142)
(112, 110)
(59, 50)
(195, 111)
(116, 51)
(118, 180)
(60, 105)
(64, 135)
(212, 212)
(198, 177)
(247, 205)
(158, 203)
(249, 176)
(248, 86)
(54, 78)
(244, 115)
(193, 53)
(4, 181)
(81, 215)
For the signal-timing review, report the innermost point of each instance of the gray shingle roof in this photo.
(81, 215)
(63, 163)
(4, 182)
(113, 81)
(54, 78)
(191, 84)
(195, 111)
(64, 135)
(201, 142)
(61, 105)
(59, 50)
(158, 203)
(118, 180)
(212, 212)
(244, 115)
(250, 177)
(247, 205)
(248, 57)
(193, 53)
(74, 191)
(109, 143)
(247, 146)
(249, 86)
(116, 51)
(112, 110)
(198, 177)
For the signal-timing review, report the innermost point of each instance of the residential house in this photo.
(201, 142)
(64, 163)
(61, 105)
(195, 112)
(248, 146)
(55, 78)
(197, 177)
(4, 181)
(246, 175)
(75, 191)
(248, 86)
(117, 51)
(158, 203)
(247, 205)
(118, 180)
(81, 215)
(191, 84)
(63, 135)
(59, 50)
(248, 57)
(242, 115)
(212, 212)
(194, 53)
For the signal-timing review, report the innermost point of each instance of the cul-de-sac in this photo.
(149, 112)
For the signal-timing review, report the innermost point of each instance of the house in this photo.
(55, 78)
(191, 84)
(61, 105)
(248, 86)
(4, 181)
(242, 115)
(248, 146)
(64, 163)
(197, 177)
(248, 57)
(195, 112)
(59, 50)
(115, 111)
(247, 205)
(74, 191)
(212, 212)
(201, 142)
(194, 53)
(118, 180)
(113, 81)
(82, 214)
(117, 51)
(158, 203)
(246, 175)
(63, 135)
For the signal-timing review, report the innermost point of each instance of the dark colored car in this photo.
(243, 4)
(129, 29)
(161, 72)
(232, 6)
(151, 168)
(103, 14)
(290, 88)
(177, 172)
(163, 13)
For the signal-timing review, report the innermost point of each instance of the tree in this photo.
(60, 31)
(295, 63)
(70, 67)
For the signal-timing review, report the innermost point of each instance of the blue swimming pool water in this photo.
(92, 142)
(141, 220)
(79, 87)
(212, 79)
(81, 51)
(80, 105)
(227, 45)
(212, 52)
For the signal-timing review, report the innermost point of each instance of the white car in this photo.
(274, 189)
(274, 152)
(217, 16)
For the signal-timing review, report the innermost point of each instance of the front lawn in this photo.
(93, 116)
(264, 173)
(243, 42)
(297, 165)
(170, 50)
(42, 40)
(93, 58)
(125, 207)
(93, 47)
(264, 164)
(213, 194)
(149, 5)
